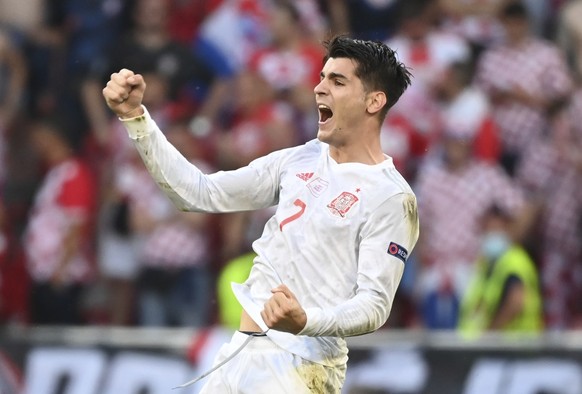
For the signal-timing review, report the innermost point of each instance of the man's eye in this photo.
(338, 83)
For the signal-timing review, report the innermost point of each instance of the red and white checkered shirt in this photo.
(67, 197)
(430, 57)
(481, 29)
(549, 171)
(451, 205)
(544, 172)
(172, 243)
(536, 66)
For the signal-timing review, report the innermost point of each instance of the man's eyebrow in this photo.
(333, 75)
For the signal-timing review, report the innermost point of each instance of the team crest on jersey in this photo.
(342, 204)
(317, 186)
(397, 251)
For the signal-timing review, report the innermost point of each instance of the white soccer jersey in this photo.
(339, 238)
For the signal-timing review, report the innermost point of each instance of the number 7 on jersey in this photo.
(296, 215)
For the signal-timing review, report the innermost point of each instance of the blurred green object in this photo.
(485, 293)
(236, 270)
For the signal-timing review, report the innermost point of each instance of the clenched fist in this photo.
(282, 311)
(124, 93)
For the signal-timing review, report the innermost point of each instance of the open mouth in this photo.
(325, 113)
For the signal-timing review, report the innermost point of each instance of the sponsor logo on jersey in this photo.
(305, 176)
(397, 251)
(342, 204)
(317, 186)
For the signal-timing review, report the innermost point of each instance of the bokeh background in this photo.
(489, 136)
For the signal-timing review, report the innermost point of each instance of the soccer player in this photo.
(330, 259)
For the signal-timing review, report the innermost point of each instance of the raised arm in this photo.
(252, 187)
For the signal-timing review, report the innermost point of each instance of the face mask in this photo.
(494, 244)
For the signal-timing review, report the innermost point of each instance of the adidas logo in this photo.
(305, 175)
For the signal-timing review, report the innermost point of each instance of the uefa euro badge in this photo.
(397, 251)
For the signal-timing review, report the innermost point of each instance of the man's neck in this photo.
(366, 154)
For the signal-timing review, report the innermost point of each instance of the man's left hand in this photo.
(282, 311)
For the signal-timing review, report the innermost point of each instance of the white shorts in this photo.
(262, 367)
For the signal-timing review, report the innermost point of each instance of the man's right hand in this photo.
(124, 94)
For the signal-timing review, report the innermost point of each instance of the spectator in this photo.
(90, 30)
(478, 20)
(504, 293)
(234, 32)
(411, 128)
(291, 63)
(312, 19)
(148, 47)
(117, 242)
(117, 249)
(458, 104)
(51, 49)
(260, 124)
(231, 34)
(428, 52)
(186, 16)
(475, 20)
(174, 284)
(40, 28)
(236, 29)
(464, 105)
(123, 188)
(364, 19)
(524, 78)
(454, 191)
(58, 238)
(559, 198)
(425, 49)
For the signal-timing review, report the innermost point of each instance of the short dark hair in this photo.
(376, 65)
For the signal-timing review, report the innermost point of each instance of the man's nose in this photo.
(320, 88)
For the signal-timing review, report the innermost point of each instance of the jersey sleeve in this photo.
(251, 187)
(387, 238)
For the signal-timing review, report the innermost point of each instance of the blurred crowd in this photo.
(489, 135)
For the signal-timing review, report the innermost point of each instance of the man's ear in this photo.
(375, 102)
